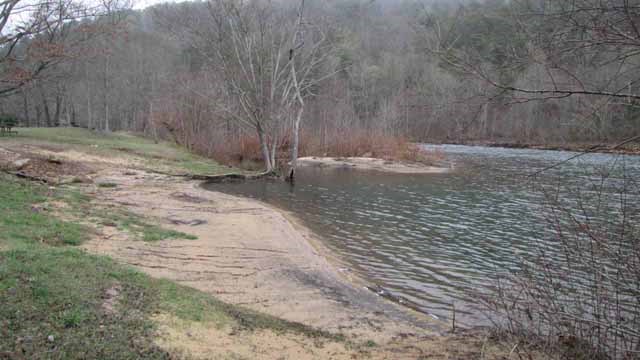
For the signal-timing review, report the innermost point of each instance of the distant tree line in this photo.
(196, 72)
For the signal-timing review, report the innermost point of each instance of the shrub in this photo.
(368, 143)
(580, 293)
(245, 151)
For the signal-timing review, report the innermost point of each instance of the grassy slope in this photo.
(53, 294)
(159, 156)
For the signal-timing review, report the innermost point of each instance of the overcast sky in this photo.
(141, 4)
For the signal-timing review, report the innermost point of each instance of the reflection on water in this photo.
(435, 238)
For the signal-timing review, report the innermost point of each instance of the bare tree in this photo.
(36, 36)
(268, 58)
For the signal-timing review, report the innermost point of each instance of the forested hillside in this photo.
(434, 70)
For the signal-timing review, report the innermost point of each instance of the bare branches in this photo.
(559, 35)
(579, 294)
(588, 151)
(267, 58)
(37, 35)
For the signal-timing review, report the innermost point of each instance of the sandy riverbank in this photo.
(250, 254)
(367, 163)
(247, 254)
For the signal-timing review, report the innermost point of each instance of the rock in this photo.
(19, 164)
(188, 198)
(50, 338)
(194, 222)
(80, 179)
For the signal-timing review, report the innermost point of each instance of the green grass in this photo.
(23, 219)
(160, 155)
(136, 225)
(59, 292)
(52, 294)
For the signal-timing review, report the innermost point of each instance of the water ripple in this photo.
(433, 238)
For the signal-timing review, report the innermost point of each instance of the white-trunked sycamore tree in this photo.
(268, 57)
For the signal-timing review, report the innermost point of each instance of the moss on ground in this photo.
(58, 302)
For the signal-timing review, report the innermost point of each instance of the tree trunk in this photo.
(90, 124)
(56, 117)
(274, 148)
(265, 148)
(38, 115)
(25, 100)
(294, 76)
(45, 106)
(294, 145)
(73, 121)
(107, 127)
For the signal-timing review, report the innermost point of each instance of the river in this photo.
(437, 239)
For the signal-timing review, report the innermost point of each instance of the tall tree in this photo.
(256, 47)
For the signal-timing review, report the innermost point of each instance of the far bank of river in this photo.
(630, 148)
(434, 239)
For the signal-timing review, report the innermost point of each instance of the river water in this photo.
(437, 239)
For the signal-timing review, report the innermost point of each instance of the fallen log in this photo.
(219, 178)
(26, 176)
